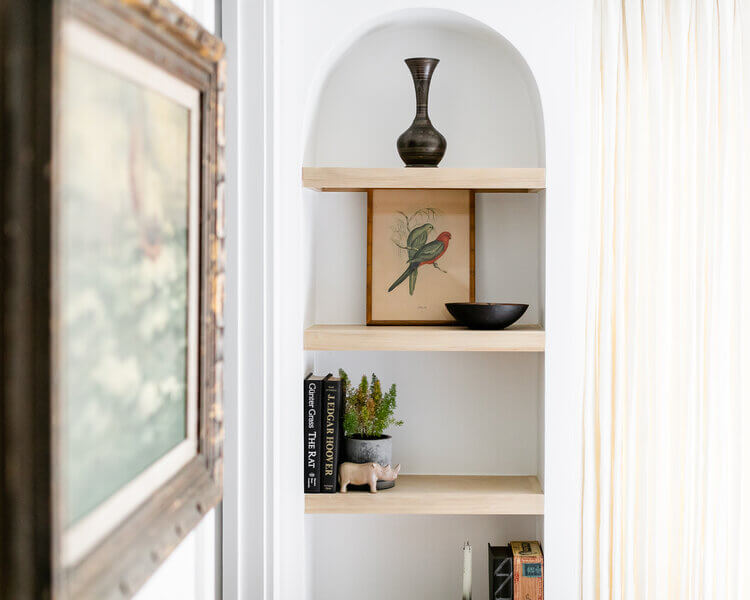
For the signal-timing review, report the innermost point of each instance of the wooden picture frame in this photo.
(374, 319)
(32, 520)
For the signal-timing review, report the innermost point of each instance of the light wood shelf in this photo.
(341, 179)
(439, 495)
(447, 338)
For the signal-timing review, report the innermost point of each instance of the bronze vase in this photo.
(421, 145)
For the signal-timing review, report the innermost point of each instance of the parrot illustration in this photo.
(417, 238)
(426, 255)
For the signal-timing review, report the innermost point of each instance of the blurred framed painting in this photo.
(137, 280)
(420, 255)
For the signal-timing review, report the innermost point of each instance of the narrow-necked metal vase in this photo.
(421, 145)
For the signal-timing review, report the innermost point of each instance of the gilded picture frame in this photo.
(164, 65)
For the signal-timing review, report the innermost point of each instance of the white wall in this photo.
(483, 97)
(405, 557)
(248, 381)
(301, 41)
(309, 41)
(465, 413)
(189, 572)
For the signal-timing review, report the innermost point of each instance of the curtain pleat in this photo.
(663, 160)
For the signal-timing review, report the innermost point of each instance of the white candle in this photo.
(467, 571)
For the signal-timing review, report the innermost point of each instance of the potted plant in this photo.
(368, 413)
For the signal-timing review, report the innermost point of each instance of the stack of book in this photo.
(323, 432)
(516, 571)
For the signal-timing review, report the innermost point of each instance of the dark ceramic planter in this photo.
(379, 451)
(421, 145)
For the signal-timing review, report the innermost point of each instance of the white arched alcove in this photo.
(464, 413)
(483, 96)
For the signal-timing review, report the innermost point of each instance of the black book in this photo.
(333, 433)
(312, 396)
(501, 572)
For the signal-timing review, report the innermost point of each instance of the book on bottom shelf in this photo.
(333, 433)
(528, 571)
(312, 398)
(500, 562)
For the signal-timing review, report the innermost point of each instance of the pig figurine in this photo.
(365, 474)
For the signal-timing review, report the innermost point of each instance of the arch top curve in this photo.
(484, 96)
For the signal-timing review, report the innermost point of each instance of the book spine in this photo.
(528, 578)
(312, 396)
(528, 571)
(332, 426)
(501, 572)
(517, 591)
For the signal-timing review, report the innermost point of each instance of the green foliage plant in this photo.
(369, 412)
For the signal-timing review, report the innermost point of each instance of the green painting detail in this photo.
(123, 280)
(411, 237)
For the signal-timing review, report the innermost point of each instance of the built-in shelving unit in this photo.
(430, 494)
(472, 447)
(346, 179)
(446, 338)
(440, 495)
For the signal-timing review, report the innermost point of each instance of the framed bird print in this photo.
(420, 255)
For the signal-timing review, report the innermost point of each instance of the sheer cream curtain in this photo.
(663, 173)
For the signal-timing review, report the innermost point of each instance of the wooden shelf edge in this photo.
(435, 338)
(439, 495)
(343, 179)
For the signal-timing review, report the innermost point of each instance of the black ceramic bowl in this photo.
(486, 315)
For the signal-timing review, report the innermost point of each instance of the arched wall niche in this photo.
(483, 98)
